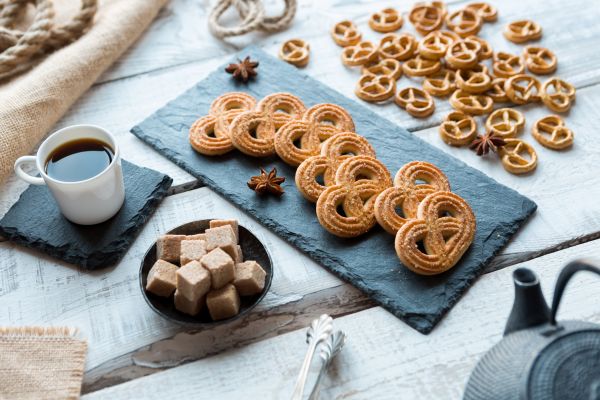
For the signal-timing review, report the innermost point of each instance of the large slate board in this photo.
(368, 262)
(35, 221)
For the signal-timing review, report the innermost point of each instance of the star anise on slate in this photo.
(483, 144)
(267, 183)
(243, 70)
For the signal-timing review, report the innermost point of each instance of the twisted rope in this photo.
(20, 49)
(253, 17)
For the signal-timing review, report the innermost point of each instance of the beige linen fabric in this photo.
(32, 103)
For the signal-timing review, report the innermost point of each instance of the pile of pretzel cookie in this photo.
(451, 64)
(338, 170)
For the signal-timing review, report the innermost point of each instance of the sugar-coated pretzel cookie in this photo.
(386, 20)
(486, 11)
(440, 84)
(407, 193)
(345, 33)
(475, 80)
(210, 134)
(388, 67)
(416, 102)
(375, 88)
(551, 132)
(333, 152)
(426, 18)
(463, 54)
(358, 181)
(522, 31)
(399, 47)
(505, 122)
(359, 54)
(465, 22)
(518, 157)
(446, 225)
(474, 104)
(318, 123)
(458, 129)
(295, 52)
(506, 65)
(522, 89)
(540, 60)
(252, 132)
(557, 95)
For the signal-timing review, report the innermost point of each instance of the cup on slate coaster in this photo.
(81, 164)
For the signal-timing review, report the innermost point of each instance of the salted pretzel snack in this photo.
(557, 94)
(434, 45)
(518, 157)
(386, 20)
(522, 89)
(345, 33)
(458, 129)
(463, 54)
(399, 47)
(496, 91)
(333, 152)
(295, 52)
(416, 102)
(505, 122)
(465, 22)
(506, 65)
(445, 224)
(210, 134)
(359, 54)
(375, 88)
(358, 181)
(552, 133)
(474, 104)
(252, 132)
(539, 60)
(440, 84)
(522, 31)
(426, 18)
(486, 11)
(475, 80)
(407, 193)
(388, 67)
(318, 123)
(420, 66)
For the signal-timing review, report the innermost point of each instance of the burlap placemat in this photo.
(32, 103)
(41, 363)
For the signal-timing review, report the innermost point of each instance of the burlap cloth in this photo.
(32, 103)
(41, 363)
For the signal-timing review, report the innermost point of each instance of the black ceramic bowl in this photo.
(252, 248)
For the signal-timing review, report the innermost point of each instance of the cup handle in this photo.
(34, 180)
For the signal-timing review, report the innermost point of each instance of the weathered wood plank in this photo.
(383, 358)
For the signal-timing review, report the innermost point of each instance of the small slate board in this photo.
(368, 262)
(35, 221)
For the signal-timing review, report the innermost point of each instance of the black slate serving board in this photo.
(35, 221)
(368, 262)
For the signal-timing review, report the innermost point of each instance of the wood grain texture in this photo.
(383, 358)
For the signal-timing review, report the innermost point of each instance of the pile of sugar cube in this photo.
(211, 272)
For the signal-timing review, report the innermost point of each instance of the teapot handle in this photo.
(563, 278)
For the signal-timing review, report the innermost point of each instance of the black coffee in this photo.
(78, 160)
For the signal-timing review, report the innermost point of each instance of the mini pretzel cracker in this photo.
(522, 89)
(426, 18)
(406, 194)
(333, 152)
(474, 104)
(387, 66)
(463, 54)
(506, 65)
(375, 88)
(552, 132)
(518, 157)
(496, 91)
(440, 5)
(557, 94)
(252, 132)
(486, 49)
(474, 81)
(465, 22)
(420, 66)
(522, 31)
(486, 11)
(345, 33)
(434, 45)
(445, 224)
(358, 181)
(416, 102)
(458, 129)
(399, 47)
(318, 123)
(440, 84)
(539, 60)
(295, 52)
(359, 54)
(505, 122)
(386, 20)
(210, 134)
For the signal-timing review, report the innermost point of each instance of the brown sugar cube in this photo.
(198, 236)
(215, 223)
(193, 281)
(221, 267)
(249, 278)
(161, 278)
(223, 237)
(185, 305)
(168, 247)
(223, 303)
(192, 250)
(239, 255)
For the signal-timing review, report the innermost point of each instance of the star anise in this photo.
(483, 144)
(243, 70)
(267, 183)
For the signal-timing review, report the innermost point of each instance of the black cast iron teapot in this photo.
(540, 358)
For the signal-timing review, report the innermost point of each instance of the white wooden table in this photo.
(133, 353)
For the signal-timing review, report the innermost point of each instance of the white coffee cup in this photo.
(86, 202)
